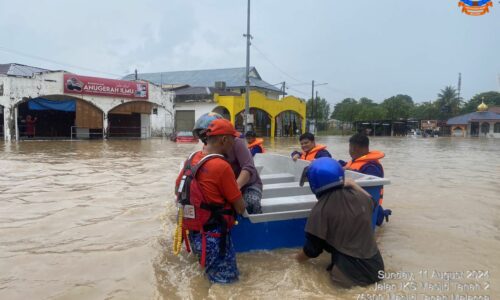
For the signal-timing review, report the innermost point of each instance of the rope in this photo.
(178, 231)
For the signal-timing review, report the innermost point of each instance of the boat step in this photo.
(277, 178)
(280, 204)
(285, 189)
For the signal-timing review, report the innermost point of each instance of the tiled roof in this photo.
(19, 70)
(475, 116)
(233, 77)
(495, 109)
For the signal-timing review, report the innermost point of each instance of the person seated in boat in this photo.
(367, 162)
(310, 150)
(222, 198)
(241, 161)
(341, 224)
(362, 159)
(254, 144)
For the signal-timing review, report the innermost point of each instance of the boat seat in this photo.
(280, 204)
(285, 189)
(277, 178)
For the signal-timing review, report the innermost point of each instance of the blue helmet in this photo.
(202, 123)
(324, 173)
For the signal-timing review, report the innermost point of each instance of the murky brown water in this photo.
(93, 220)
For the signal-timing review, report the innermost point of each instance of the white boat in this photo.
(286, 205)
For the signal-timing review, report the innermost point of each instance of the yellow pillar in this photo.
(303, 129)
(273, 125)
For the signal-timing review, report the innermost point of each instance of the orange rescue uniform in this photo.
(358, 163)
(257, 143)
(312, 153)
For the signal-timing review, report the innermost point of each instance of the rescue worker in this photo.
(310, 150)
(241, 161)
(254, 144)
(362, 159)
(341, 224)
(223, 198)
(367, 162)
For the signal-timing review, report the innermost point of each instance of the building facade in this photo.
(63, 105)
(483, 123)
(223, 91)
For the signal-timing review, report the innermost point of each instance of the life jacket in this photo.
(257, 143)
(197, 213)
(311, 155)
(358, 163)
(379, 214)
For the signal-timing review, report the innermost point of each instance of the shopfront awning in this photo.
(46, 104)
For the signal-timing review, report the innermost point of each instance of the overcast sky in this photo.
(361, 48)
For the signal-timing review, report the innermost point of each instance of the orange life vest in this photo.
(359, 162)
(312, 153)
(257, 143)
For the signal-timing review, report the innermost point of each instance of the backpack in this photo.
(195, 213)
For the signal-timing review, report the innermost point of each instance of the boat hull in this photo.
(283, 231)
(286, 205)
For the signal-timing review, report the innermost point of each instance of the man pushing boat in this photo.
(241, 161)
(341, 224)
(208, 198)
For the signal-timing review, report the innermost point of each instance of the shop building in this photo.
(44, 104)
(273, 113)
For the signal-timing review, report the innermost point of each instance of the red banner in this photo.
(76, 84)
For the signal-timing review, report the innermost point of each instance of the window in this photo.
(497, 127)
(155, 111)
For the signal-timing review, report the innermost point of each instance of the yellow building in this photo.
(271, 117)
(223, 90)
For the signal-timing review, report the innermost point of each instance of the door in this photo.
(184, 120)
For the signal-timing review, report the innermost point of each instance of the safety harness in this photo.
(196, 214)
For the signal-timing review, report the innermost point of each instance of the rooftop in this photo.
(474, 116)
(19, 70)
(233, 77)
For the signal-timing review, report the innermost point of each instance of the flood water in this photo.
(94, 220)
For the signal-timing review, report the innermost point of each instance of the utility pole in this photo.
(312, 109)
(283, 86)
(313, 106)
(247, 79)
(316, 108)
(459, 84)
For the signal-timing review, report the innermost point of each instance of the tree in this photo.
(345, 110)
(425, 111)
(398, 107)
(490, 98)
(376, 112)
(448, 103)
(319, 111)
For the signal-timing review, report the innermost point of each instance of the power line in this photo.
(298, 91)
(274, 65)
(4, 49)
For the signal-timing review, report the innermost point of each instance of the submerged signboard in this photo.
(85, 85)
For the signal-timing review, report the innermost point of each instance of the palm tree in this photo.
(448, 102)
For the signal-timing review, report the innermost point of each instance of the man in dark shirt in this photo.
(362, 159)
(341, 224)
(367, 162)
